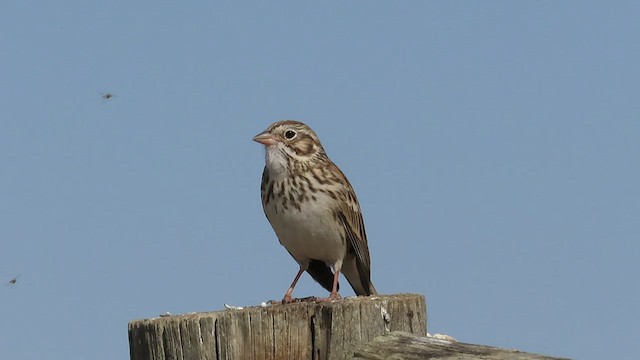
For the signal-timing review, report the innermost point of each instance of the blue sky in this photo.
(494, 147)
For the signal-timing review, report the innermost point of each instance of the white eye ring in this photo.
(290, 134)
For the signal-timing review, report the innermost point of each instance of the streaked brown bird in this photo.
(313, 210)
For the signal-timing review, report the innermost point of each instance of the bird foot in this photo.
(289, 299)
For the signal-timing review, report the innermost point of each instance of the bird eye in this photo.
(289, 134)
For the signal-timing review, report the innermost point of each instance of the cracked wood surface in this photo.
(305, 330)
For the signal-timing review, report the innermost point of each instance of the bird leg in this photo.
(287, 297)
(334, 291)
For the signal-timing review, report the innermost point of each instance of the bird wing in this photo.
(350, 217)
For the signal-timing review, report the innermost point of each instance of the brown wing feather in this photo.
(350, 216)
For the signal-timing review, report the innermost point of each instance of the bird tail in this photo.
(362, 290)
(321, 273)
(372, 289)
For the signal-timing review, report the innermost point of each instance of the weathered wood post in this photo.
(307, 330)
(404, 346)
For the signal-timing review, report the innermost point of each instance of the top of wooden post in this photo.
(306, 330)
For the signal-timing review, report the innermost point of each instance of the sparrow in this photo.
(313, 210)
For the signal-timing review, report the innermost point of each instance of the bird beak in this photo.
(265, 138)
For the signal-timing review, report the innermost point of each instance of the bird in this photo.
(313, 210)
(13, 281)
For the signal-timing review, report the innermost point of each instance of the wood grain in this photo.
(399, 345)
(308, 330)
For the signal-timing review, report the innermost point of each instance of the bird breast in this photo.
(308, 230)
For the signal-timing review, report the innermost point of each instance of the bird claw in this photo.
(289, 300)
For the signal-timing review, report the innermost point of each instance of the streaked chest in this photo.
(304, 221)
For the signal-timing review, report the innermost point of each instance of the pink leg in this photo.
(334, 291)
(287, 296)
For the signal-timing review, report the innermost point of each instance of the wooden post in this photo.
(307, 330)
(405, 346)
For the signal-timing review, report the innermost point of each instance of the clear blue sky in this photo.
(494, 147)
